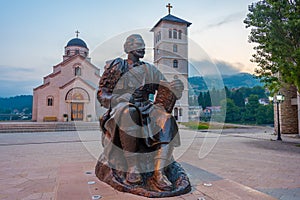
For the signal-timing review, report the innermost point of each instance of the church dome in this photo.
(77, 42)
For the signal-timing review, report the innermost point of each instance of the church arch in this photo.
(77, 94)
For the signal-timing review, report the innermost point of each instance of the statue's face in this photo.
(139, 48)
(139, 53)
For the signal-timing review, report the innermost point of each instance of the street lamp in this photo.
(279, 99)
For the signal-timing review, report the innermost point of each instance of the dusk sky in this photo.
(34, 33)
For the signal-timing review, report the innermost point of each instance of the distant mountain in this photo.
(241, 80)
(20, 103)
(198, 83)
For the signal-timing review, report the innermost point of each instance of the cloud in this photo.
(17, 80)
(10, 88)
(224, 20)
(16, 73)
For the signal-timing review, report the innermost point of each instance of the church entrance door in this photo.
(77, 111)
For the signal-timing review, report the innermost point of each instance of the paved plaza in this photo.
(239, 163)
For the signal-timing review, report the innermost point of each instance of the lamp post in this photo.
(279, 99)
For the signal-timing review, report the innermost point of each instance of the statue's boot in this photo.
(162, 159)
(133, 175)
(129, 142)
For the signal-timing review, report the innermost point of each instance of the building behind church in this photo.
(69, 92)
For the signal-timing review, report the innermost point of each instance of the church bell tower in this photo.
(171, 56)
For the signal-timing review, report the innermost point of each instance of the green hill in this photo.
(198, 83)
(22, 103)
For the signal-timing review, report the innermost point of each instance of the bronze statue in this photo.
(138, 134)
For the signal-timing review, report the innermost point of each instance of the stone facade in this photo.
(171, 57)
(70, 90)
(288, 111)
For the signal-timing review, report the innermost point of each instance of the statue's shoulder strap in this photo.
(113, 70)
(114, 65)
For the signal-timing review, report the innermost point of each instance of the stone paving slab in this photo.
(73, 183)
(52, 165)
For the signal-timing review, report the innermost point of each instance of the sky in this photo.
(34, 33)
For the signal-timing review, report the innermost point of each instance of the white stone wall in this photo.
(164, 56)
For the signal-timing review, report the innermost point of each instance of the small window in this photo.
(170, 33)
(175, 34)
(179, 34)
(76, 51)
(175, 63)
(180, 111)
(68, 52)
(159, 36)
(50, 101)
(174, 47)
(77, 71)
(157, 51)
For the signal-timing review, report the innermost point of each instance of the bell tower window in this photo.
(179, 34)
(77, 71)
(174, 47)
(175, 63)
(77, 51)
(170, 33)
(175, 34)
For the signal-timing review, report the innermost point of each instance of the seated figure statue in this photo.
(138, 134)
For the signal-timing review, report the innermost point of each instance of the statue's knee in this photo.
(130, 118)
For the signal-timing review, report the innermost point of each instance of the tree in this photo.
(238, 98)
(265, 114)
(251, 109)
(275, 27)
(204, 99)
(232, 111)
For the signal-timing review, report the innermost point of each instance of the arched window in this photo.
(50, 101)
(77, 51)
(174, 47)
(170, 33)
(176, 113)
(68, 52)
(175, 63)
(175, 34)
(77, 71)
(179, 34)
(180, 111)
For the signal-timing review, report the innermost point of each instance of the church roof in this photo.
(77, 42)
(76, 79)
(172, 18)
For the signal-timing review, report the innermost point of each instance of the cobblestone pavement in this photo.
(240, 163)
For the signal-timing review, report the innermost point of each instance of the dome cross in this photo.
(77, 33)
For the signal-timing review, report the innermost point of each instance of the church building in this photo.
(171, 56)
(69, 92)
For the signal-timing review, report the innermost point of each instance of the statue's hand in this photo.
(177, 87)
